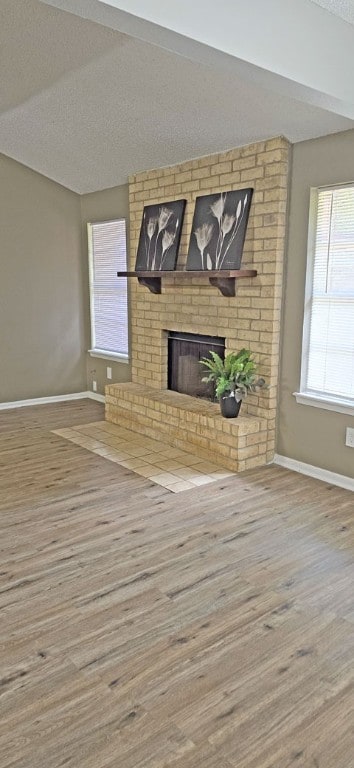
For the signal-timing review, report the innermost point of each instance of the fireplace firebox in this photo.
(185, 373)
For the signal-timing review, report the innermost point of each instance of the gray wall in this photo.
(103, 206)
(42, 304)
(308, 434)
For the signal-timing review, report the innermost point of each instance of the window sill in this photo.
(109, 355)
(325, 402)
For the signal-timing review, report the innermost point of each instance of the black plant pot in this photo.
(230, 407)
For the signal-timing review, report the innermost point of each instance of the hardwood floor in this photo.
(144, 629)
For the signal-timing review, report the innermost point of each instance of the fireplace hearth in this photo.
(185, 350)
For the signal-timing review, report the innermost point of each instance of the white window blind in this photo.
(108, 293)
(328, 352)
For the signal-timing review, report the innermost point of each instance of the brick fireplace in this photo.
(250, 319)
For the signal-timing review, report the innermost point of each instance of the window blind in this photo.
(330, 355)
(108, 293)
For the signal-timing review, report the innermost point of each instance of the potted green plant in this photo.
(234, 377)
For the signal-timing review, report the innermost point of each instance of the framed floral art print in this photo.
(219, 230)
(160, 234)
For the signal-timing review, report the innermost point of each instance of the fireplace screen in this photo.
(185, 373)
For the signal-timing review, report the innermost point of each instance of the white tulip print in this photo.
(218, 230)
(159, 236)
(203, 236)
(151, 226)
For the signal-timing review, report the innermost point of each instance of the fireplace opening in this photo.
(185, 373)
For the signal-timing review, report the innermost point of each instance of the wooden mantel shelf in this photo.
(223, 279)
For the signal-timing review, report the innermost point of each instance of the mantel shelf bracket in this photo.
(226, 285)
(152, 283)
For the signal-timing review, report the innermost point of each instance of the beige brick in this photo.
(276, 169)
(230, 179)
(250, 313)
(230, 441)
(212, 185)
(254, 462)
(267, 314)
(257, 245)
(276, 194)
(150, 184)
(208, 160)
(136, 206)
(183, 177)
(141, 176)
(272, 156)
(259, 438)
(262, 325)
(270, 219)
(171, 191)
(271, 208)
(190, 186)
(269, 232)
(252, 174)
(263, 303)
(190, 165)
(168, 170)
(251, 149)
(243, 163)
(248, 336)
(201, 173)
(249, 452)
(278, 141)
(273, 182)
(218, 168)
(236, 322)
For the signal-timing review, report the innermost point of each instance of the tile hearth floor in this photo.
(170, 467)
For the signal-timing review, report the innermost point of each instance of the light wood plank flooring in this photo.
(144, 629)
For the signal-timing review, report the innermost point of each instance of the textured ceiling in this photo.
(87, 106)
(342, 8)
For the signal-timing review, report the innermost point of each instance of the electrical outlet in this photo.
(94, 386)
(349, 437)
(109, 373)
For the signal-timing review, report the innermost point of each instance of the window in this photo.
(108, 293)
(327, 373)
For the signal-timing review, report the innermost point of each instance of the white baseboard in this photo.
(95, 396)
(53, 399)
(320, 474)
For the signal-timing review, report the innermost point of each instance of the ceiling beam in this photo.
(298, 49)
